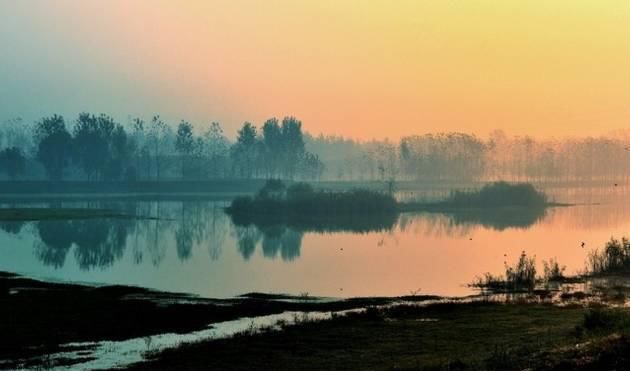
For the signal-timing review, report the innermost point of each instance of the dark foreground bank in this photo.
(39, 318)
(447, 336)
(472, 336)
(408, 333)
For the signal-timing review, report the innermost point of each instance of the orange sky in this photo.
(355, 68)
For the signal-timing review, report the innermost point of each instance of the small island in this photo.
(276, 199)
(496, 195)
(304, 208)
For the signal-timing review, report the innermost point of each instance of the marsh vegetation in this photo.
(301, 207)
(301, 199)
(495, 195)
(614, 258)
(522, 275)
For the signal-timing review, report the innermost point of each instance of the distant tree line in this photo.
(98, 148)
(460, 157)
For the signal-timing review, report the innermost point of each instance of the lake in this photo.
(196, 248)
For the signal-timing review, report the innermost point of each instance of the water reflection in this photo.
(355, 223)
(100, 243)
(55, 240)
(274, 240)
(12, 227)
(194, 246)
(500, 219)
(281, 240)
(283, 236)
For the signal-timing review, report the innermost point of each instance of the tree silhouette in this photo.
(216, 149)
(272, 146)
(244, 151)
(185, 143)
(90, 146)
(12, 162)
(157, 137)
(101, 146)
(53, 145)
(293, 141)
(143, 152)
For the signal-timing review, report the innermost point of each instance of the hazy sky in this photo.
(358, 68)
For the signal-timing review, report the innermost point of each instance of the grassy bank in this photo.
(456, 335)
(39, 316)
(475, 336)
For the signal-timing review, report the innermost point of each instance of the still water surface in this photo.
(196, 248)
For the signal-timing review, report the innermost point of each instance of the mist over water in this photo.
(194, 247)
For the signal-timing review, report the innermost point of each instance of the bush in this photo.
(273, 189)
(521, 276)
(299, 191)
(499, 194)
(302, 199)
(553, 271)
(615, 258)
(241, 203)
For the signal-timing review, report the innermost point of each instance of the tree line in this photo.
(98, 148)
(461, 157)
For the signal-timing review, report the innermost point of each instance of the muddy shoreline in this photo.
(49, 325)
(39, 317)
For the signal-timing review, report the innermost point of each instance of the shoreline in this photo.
(73, 323)
(46, 315)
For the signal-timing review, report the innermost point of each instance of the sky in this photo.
(358, 68)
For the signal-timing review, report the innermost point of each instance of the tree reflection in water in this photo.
(12, 227)
(276, 240)
(100, 243)
(55, 240)
(283, 236)
(191, 225)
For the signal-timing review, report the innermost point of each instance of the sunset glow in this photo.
(355, 68)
